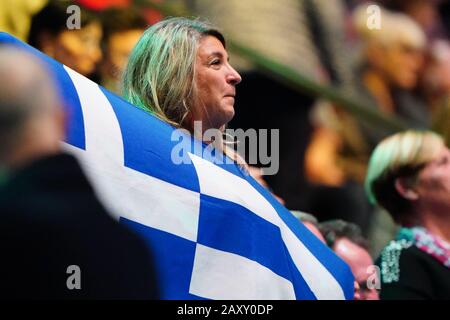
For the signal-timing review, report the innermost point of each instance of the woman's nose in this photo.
(233, 77)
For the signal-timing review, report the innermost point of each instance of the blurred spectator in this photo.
(310, 222)
(348, 243)
(122, 29)
(78, 49)
(338, 154)
(392, 59)
(409, 175)
(51, 218)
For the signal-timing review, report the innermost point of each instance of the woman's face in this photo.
(215, 81)
(433, 182)
(402, 65)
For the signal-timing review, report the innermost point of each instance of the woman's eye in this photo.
(215, 62)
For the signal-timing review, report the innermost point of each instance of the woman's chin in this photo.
(229, 112)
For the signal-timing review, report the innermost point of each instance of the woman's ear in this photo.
(405, 188)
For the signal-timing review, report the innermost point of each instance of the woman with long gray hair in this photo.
(179, 71)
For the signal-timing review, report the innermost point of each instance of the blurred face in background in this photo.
(433, 183)
(359, 261)
(401, 65)
(77, 49)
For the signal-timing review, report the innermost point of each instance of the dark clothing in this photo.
(50, 220)
(420, 276)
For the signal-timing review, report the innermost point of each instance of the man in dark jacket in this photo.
(57, 240)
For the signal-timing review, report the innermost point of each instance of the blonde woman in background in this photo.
(409, 176)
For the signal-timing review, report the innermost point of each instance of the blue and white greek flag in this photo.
(214, 232)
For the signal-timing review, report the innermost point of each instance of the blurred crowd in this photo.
(400, 68)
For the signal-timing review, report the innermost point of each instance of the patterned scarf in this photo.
(427, 242)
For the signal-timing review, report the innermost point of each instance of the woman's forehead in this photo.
(210, 45)
(443, 152)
